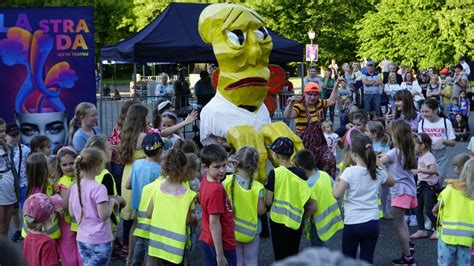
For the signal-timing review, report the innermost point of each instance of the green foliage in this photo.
(332, 22)
(426, 33)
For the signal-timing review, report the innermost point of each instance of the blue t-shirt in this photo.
(80, 138)
(143, 173)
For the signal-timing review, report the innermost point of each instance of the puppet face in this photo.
(242, 47)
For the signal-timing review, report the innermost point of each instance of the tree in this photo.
(332, 22)
(426, 33)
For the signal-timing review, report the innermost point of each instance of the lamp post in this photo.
(311, 36)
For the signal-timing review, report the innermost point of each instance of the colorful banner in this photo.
(47, 67)
(311, 52)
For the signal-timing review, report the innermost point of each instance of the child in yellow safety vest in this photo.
(456, 225)
(67, 177)
(326, 221)
(170, 210)
(247, 197)
(289, 200)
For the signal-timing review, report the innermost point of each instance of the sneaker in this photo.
(407, 218)
(17, 237)
(434, 236)
(428, 225)
(404, 261)
(413, 221)
(420, 234)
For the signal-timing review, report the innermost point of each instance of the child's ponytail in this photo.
(78, 179)
(362, 146)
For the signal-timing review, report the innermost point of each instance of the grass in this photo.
(116, 81)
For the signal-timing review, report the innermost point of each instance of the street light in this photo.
(311, 35)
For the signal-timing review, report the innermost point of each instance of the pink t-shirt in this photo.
(424, 161)
(92, 229)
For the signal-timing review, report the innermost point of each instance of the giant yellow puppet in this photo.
(242, 46)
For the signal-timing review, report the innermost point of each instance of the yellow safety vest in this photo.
(168, 235)
(54, 232)
(67, 181)
(99, 180)
(289, 197)
(143, 223)
(327, 218)
(245, 204)
(456, 218)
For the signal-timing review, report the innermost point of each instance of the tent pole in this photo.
(101, 73)
(143, 71)
(302, 77)
(134, 78)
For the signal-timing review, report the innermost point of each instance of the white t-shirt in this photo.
(437, 131)
(219, 115)
(360, 204)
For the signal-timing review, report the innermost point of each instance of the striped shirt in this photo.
(315, 112)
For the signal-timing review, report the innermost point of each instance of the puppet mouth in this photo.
(246, 82)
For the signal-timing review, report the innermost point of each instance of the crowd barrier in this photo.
(109, 109)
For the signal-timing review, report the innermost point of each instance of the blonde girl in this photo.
(91, 208)
(130, 149)
(83, 125)
(401, 161)
(170, 208)
(455, 234)
(247, 197)
(66, 173)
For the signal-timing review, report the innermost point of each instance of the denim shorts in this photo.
(95, 254)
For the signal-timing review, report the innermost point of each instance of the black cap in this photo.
(459, 66)
(283, 146)
(462, 58)
(12, 129)
(152, 142)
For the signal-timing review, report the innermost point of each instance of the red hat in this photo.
(312, 87)
(444, 71)
(40, 207)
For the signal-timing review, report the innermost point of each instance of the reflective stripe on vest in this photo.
(457, 224)
(327, 219)
(289, 197)
(245, 205)
(168, 225)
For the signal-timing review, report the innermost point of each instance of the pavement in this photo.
(387, 246)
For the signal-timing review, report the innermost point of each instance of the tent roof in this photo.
(173, 37)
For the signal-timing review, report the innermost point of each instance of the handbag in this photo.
(314, 140)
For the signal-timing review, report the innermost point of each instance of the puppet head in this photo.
(242, 47)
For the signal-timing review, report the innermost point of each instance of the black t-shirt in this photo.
(109, 184)
(270, 186)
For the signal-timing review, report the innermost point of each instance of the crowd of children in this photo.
(169, 194)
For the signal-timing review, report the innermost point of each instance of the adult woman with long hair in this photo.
(130, 149)
(404, 110)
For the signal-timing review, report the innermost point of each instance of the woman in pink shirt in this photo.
(91, 208)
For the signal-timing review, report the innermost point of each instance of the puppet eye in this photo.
(236, 37)
(261, 33)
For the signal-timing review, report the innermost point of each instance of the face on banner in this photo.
(46, 67)
(52, 125)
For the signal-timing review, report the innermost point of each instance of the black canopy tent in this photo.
(173, 37)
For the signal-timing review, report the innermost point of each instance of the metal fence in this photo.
(109, 109)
